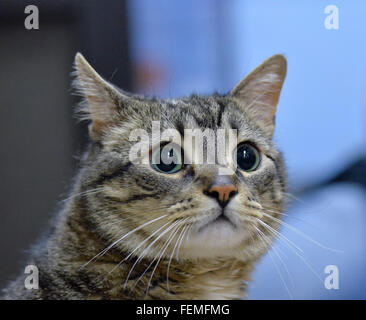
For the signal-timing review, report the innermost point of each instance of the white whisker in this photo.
(297, 231)
(169, 240)
(84, 193)
(265, 239)
(302, 259)
(139, 246)
(103, 252)
(144, 253)
(181, 241)
(279, 234)
(275, 232)
(172, 254)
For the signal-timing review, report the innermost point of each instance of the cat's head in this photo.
(191, 207)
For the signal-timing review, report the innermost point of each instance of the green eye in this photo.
(247, 157)
(167, 159)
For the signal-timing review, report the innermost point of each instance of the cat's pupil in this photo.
(170, 160)
(247, 157)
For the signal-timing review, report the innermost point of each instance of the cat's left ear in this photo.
(258, 93)
(103, 103)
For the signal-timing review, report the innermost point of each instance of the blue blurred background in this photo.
(174, 48)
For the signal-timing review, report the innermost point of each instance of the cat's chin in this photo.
(219, 237)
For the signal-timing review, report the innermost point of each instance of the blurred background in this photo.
(174, 48)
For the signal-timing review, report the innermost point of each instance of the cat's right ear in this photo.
(102, 101)
(258, 93)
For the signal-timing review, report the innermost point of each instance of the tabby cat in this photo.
(156, 230)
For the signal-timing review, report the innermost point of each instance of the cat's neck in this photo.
(206, 279)
(202, 279)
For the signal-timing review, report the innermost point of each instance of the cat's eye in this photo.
(247, 157)
(167, 159)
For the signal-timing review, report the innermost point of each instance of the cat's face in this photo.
(191, 207)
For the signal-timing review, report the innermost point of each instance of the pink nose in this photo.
(222, 192)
